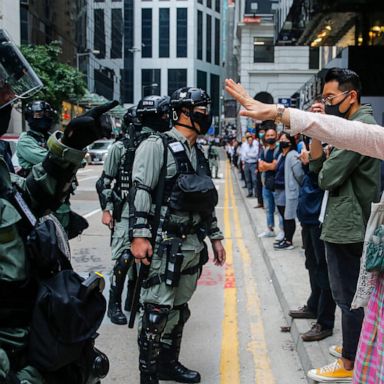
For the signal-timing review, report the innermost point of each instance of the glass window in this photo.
(177, 78)
(99, 33)
(200, 35)
(201, 80)
(117, 34)
(164, 32)
(209, 39)
(263, 50)
(314, 57)
(217, 42)
(218, 6)
(215, 94)
(146, 32)
(104, 82)
(209, 3)
(200, 1)
(182, 32)
(150, 82)
(128, 74)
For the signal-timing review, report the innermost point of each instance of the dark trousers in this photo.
(289, 225)
(250, 177)
(343, 270)
(320, 300)
(259, 188)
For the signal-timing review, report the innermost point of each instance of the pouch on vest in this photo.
(64, 321)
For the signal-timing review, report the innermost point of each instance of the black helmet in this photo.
(130, 117)
(154, 111)
(39, 115)
(189, 98)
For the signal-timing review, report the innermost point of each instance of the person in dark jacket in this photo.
(320, 304)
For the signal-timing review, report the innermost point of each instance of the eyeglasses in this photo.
(328, 100)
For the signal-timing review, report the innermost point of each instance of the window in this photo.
(263, 50)
(314, 57)
(209, 39)
(200, 1)
(164, 32)
(201, 80)
(146, 32)
(150, 82)
(117, 34)
(182, 32)
(218, 6)
(200, 35)
(215, 94)
(209, 3)
(99, 33)
(217, 42)
(177, 78)
(104, 82)
(127, 74)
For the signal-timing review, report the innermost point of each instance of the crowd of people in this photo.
(333, 192)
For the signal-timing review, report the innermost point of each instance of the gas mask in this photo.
(204, 121)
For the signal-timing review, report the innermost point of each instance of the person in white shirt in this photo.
(250, 153)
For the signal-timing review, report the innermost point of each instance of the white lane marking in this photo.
(85, 189)
(88, 178)
(92, 213)
(81, 171)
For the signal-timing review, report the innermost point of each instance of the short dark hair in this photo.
(291, 140)
(348, 80)
(270, 129)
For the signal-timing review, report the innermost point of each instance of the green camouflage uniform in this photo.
(213, 159)
(146, 171)
(14, 265)
(30, 152)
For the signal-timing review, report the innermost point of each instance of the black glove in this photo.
(85, 129)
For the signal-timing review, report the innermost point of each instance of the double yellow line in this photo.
(256, 346)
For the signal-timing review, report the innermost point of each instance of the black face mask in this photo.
(204, 121)
(334, 109)
(284, 144)
(270, 141)
(5, 117)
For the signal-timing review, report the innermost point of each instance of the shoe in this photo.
(280, 236)
(331, 373)
(267, 233)
(336, 350)
(316, 333)
(259, 206)
(176, 371)
(284, 246)
(302, 313)
(250, 195)
(114, 309)
(146, 378)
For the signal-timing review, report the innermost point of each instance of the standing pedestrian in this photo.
(188, 198)
(251, 157)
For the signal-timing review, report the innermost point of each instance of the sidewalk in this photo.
(291, 282)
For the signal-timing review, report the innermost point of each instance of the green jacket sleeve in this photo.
(29, 152)
(145, 176)
(338, 168)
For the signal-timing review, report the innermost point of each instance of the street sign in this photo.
(286, 101)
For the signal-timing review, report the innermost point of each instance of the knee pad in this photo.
(154, 318)
(124, 262)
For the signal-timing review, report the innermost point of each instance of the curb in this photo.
(313, 354)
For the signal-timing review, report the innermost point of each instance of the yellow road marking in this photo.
(257, 345)
(229, 364)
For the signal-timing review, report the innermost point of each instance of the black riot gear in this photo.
(186, 100)
(39, 115)
(131, 117)
(154, 111)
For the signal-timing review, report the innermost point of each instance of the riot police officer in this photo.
(32, 148)
(150, 115)
(22, 202)
(213, 158)
(171, 171)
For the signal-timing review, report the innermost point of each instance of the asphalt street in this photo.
(233, 335)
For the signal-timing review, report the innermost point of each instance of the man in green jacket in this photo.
(351, 182)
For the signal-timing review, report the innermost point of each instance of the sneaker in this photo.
(316, 333)
(283, 246)
(267, 233)
(280, 236)
(302, 313)
(331, 373)
(336, 350)
(277, 242)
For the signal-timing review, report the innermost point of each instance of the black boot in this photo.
(146, 378)
(114, 308)
(169, 367)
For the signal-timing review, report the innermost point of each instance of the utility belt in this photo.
(171, 249)
(183, 230)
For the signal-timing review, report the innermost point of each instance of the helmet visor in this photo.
(17, 78)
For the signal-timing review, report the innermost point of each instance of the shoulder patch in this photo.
(176, 147)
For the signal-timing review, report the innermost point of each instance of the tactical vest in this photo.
(189, 190)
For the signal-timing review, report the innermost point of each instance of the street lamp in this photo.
(153, 85)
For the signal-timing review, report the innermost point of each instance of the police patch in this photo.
(176, 147)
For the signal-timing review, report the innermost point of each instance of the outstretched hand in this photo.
(85, 129)
(254, 109)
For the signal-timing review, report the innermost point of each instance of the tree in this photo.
(61, 81)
